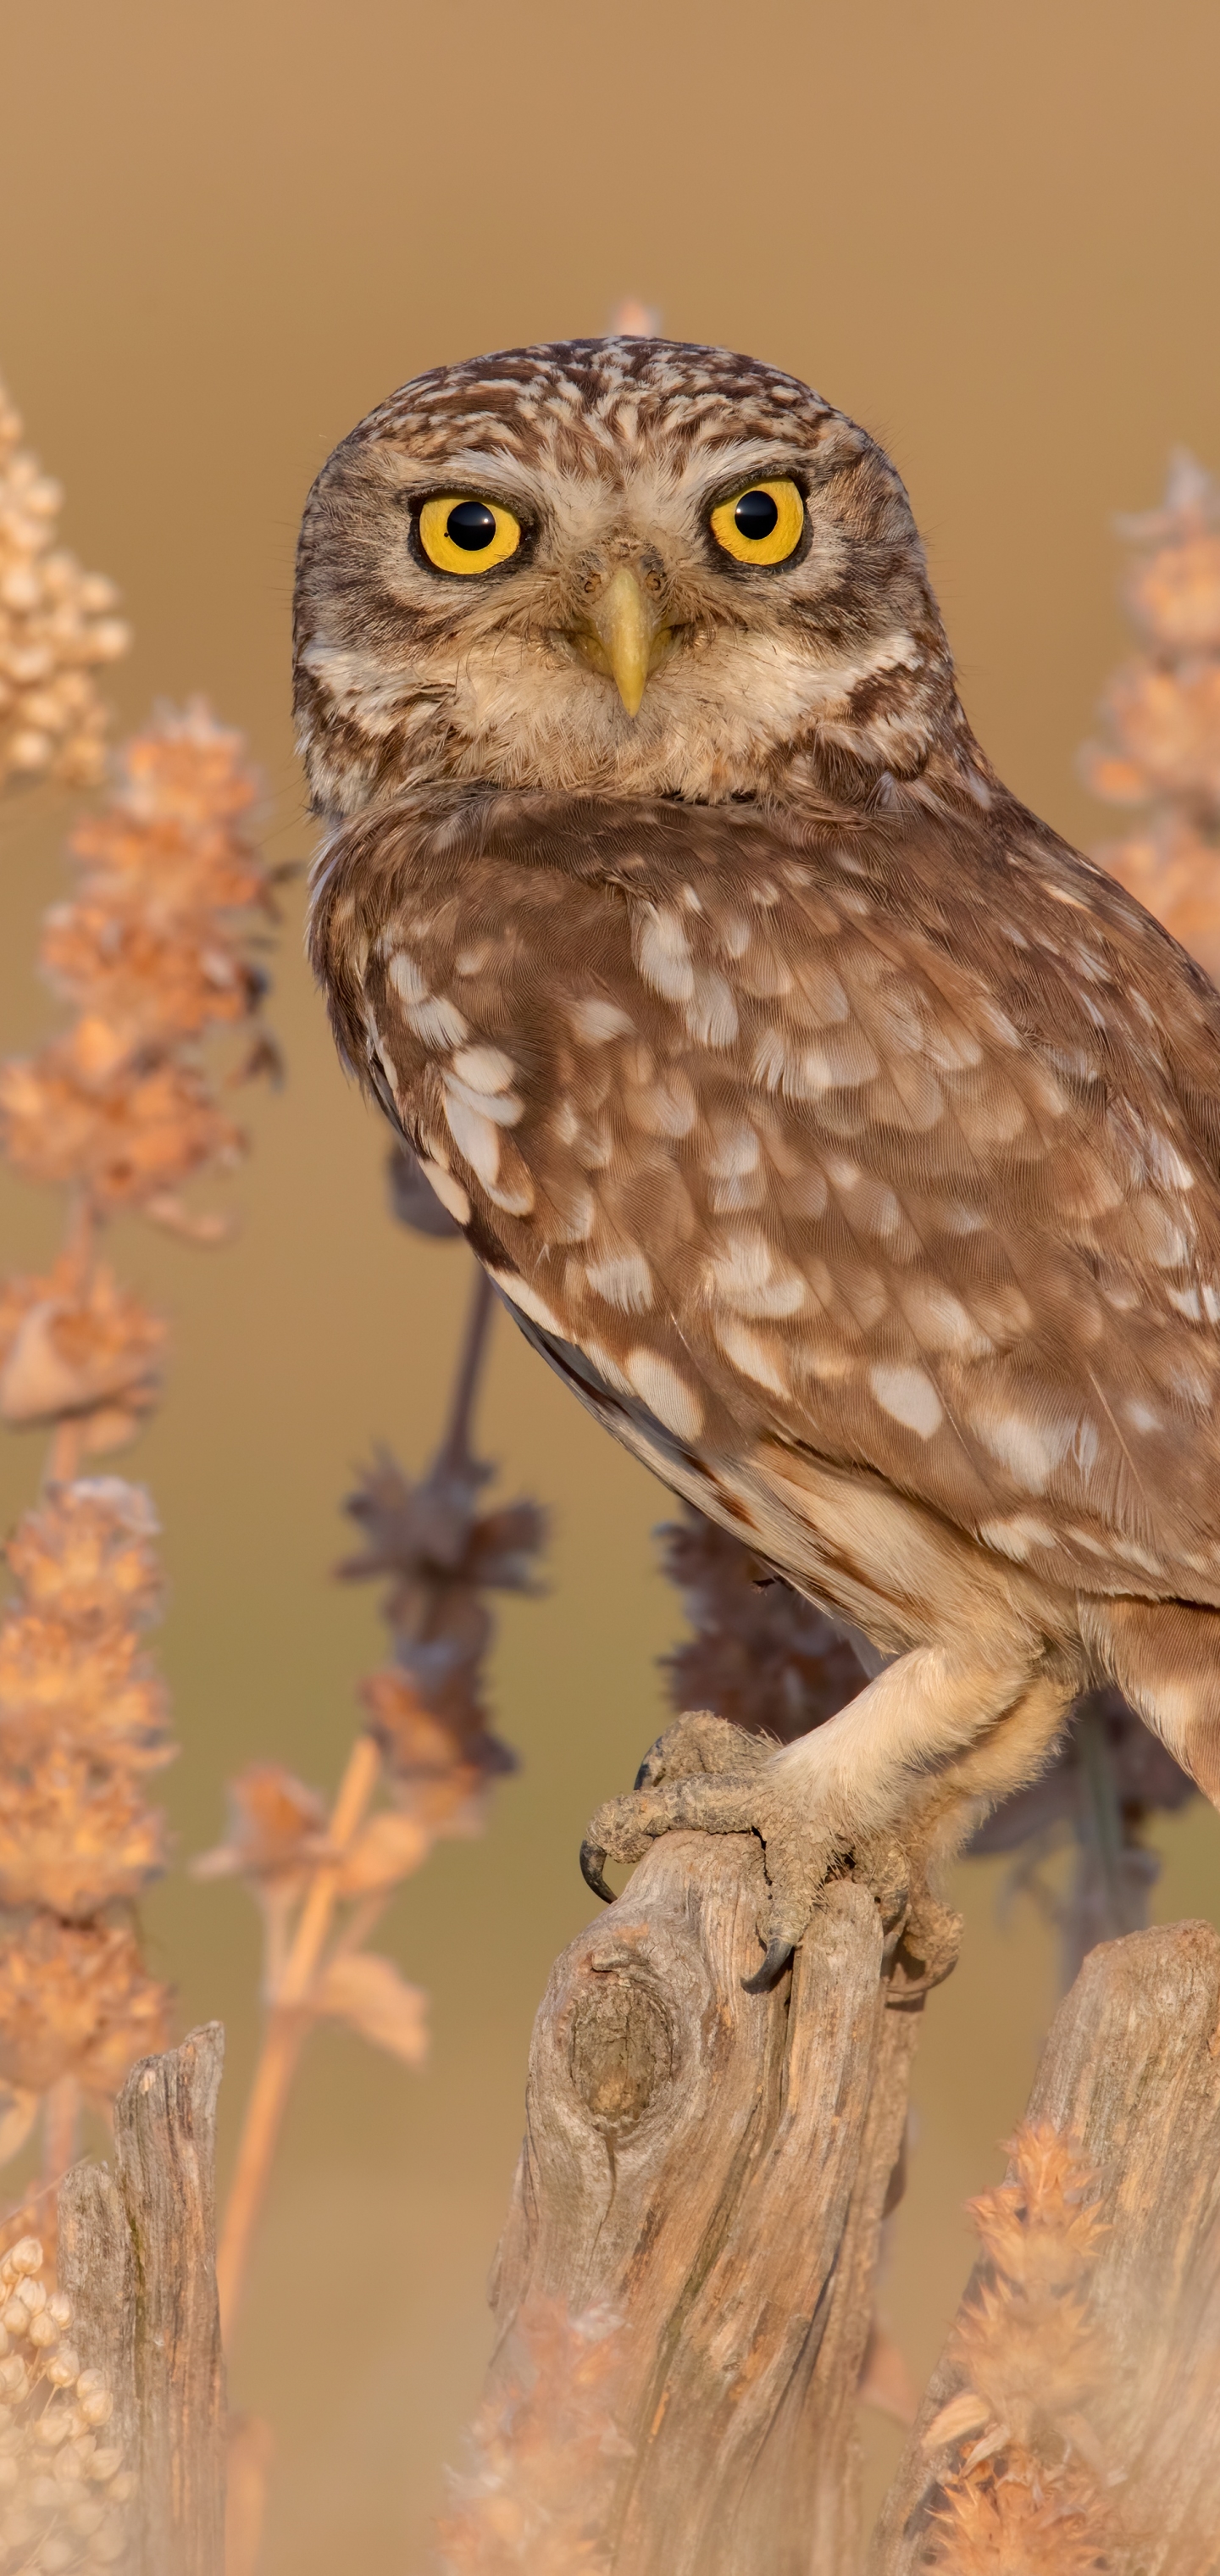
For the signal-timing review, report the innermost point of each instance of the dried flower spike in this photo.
(63, 2486)
(544, 2453)
(442, 1556)
(155, 953)
(1029, 2488)
(81, 1709)
(760, 1655)
(57, 628)
(1160, 741)
(82, 1720)
(323, 1880)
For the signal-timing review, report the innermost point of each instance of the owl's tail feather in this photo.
(1165, 1658)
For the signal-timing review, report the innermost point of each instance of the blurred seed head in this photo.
(63, 2492)
(1158, 746)
(58, 628)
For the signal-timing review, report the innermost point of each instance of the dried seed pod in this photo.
(57, 628)
(62, 2493)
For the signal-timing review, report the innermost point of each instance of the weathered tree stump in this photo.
(711, 2169)
(1131, 2070)
(137, 2253)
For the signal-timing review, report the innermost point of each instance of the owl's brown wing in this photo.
(896, 1143)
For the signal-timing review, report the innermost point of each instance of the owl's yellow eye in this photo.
(461, 535)
(762, 525)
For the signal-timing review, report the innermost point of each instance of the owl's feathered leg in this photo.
(848, 1784)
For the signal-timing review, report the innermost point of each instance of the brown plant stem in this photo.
(288, 2023)
(455, 1447)
(81, 1236)
(362, 1920)
(80, 1247)
(64, 1456)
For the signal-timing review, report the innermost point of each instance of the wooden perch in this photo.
(1132, 2071)
(711, 2168)
(137, 2256)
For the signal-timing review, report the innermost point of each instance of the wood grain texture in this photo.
(94, 2265)
(711, 2168)
(139, 2262)
(1131, 2070)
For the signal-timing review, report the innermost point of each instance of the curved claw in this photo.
(779, 1955)
(591, 1857)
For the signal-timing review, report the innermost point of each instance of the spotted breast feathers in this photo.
(891, 1145)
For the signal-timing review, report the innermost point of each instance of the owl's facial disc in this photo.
(624, 567)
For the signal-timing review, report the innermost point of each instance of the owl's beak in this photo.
(624, 637)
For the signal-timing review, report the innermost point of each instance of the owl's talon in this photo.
(591, 1858)
(780, 1955)
(706, 1777)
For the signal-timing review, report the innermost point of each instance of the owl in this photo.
(848, 1144)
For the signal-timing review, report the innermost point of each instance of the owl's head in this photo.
(616, 566)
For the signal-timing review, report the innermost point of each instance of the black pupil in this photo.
(754, 517)
(472, 525)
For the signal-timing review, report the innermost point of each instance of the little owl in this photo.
(848, 1143)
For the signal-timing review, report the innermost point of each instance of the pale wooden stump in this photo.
(711, 2168)
(137, 2257)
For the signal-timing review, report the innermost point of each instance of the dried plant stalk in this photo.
(323, 1880)
(155, 952)
(295, 2001)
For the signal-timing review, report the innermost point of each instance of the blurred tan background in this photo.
(987, 230)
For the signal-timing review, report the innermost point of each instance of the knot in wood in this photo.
(622, 2047)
